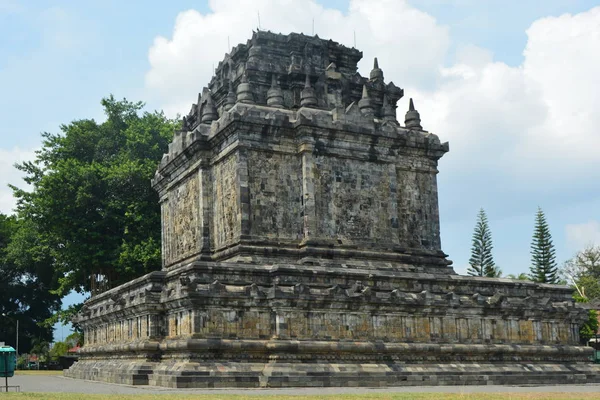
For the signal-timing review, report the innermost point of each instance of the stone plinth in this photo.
(301, 247)
(290, 325)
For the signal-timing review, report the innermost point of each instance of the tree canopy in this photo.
(583, 272)
(27, 279)
(90, 207)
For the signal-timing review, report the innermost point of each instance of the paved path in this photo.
(57, 383)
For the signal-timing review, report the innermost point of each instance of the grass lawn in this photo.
(377, 396)
(36, 372)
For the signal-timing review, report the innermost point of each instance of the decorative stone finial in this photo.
(307, 96)
(274, 94)
(365, 105)
(230, 99)
(376, 72)
(412, 120)
(209, 111)
(184, 124)
(389, 111)
(244, 91)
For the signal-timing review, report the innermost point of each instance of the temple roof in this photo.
(292, 71)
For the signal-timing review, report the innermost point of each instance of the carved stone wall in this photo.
(317, 304)
(418, 210)
(354, 200)
(181, 218)
(275, 188)
(226, 214)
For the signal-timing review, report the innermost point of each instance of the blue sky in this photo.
(508, 83)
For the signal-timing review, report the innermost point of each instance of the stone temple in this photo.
(301, 247)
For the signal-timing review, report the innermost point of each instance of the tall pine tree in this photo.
(543, 259)
(481, 261)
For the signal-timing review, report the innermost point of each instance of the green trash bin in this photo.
(8, 361)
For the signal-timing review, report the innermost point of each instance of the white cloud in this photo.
(10, 175)
(481, 107)
(526, 130)
(562, 57)
(182, 65)
(581, 235)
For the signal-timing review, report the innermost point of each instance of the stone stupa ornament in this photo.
(244, 91)
(388, 111)
(412, 120)
(365, 104)
(275, 94)
(307, 96)
(376, 72)
(209, 111)
(231, 97)
(301, 247)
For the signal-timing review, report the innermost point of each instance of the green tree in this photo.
(91, 206)
(481, 262)
(22, 361)
(24, 288)
(583, 272)
(58, 350)
(74, 339)
(40, 348)
(543, 259)
(590, 327)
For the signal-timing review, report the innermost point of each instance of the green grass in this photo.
(36, 372)
(374, 396)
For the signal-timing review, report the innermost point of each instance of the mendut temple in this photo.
(301, 247)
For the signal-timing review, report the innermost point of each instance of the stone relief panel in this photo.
(275, 185)
(318, 325)
(255, 324)
(401, 328)
(226, 203)
(418, 210)
(232, 324)
(354, 200)
(181, 221)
